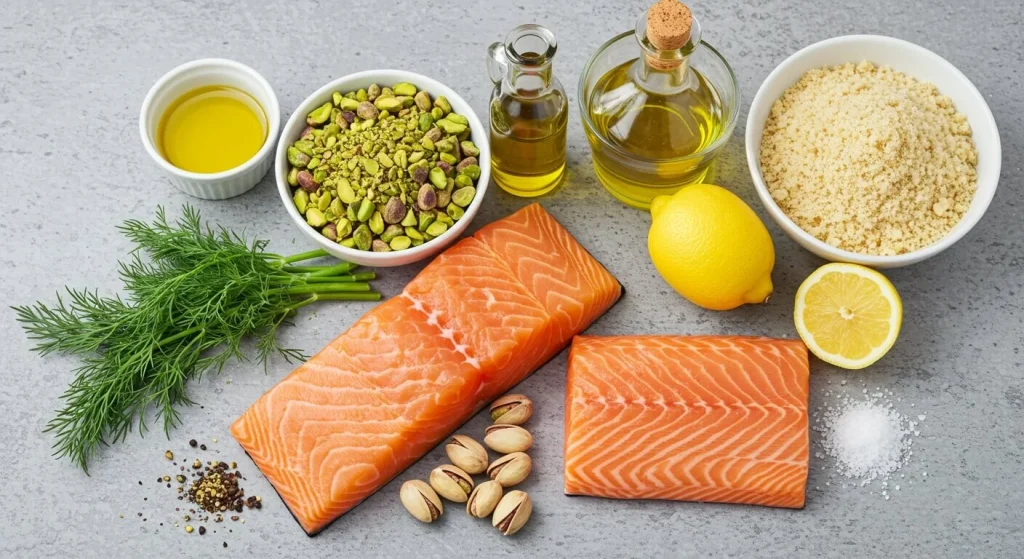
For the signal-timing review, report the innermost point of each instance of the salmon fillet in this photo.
(480, 318)
(707, 418)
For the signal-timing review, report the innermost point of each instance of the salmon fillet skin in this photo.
(475, 322)
(703, 418)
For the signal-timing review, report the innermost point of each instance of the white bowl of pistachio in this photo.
(384, 167)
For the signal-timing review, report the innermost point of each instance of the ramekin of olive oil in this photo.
(211, 126)
(211, 129)
(657, 116)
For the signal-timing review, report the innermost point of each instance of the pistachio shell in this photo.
(507, 438)
(513, 409)
(512, 512)
(510, 469)
(466, 453)
(421, 501)
(483, 499)
(451, 483)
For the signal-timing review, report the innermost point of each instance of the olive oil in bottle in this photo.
(654, 119)
(529, 113)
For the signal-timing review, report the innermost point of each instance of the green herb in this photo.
(187, 311)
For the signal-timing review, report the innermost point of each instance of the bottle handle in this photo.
(497, 62)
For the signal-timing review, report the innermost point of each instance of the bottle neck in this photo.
(523, 62)
(664, 71)
(529, 79)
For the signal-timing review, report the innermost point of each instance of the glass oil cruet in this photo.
(529, 113)
(656, 116)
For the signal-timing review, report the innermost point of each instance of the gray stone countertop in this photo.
(73, 75)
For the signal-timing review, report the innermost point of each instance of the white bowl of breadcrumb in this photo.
(872, 150)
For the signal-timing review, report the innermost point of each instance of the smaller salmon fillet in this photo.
(706, 418)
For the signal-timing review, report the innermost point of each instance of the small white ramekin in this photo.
(202, 73)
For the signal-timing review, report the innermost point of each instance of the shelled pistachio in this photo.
(421, 501)
(512, 512)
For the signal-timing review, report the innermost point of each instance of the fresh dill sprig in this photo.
(193, 295)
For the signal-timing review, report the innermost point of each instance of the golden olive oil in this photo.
(654, 135)
(528, 143)
(211, 129)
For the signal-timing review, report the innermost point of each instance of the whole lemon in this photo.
(711, 247)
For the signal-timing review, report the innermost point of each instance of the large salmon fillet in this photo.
(707, 418)
(481, 317)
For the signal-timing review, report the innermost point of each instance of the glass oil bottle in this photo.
(529, 113)
(657, 116)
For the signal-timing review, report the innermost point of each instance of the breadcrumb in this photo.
(868, 159)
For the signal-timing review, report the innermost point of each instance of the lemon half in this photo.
(848, 315)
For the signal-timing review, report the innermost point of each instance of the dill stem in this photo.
(179, 336)
(321, 288)
(361, 276)
(335, 297)
(342, 268)
(309, 255)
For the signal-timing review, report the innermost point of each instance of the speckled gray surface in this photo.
(72, 78)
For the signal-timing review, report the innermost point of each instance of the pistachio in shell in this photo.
(483, 499)
(513, 409)
(451, 483)
(512, 512)
(467, 454)
(421, 501)
(511, 469)
(507, 438)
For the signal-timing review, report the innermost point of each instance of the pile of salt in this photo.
(867, 440)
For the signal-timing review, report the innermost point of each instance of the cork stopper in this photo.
(668, 28)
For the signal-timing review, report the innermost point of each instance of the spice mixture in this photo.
(869, 159)
(213, 487)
